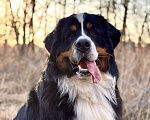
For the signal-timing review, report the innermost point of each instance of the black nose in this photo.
(83, 45)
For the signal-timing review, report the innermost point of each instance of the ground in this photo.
(19, 73)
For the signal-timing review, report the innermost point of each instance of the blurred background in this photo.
(25, 23)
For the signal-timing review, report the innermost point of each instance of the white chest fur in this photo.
(91, 99)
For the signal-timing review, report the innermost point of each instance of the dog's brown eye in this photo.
(93, 33)
(71, 35)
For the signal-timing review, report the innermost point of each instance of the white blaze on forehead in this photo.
(80, 18)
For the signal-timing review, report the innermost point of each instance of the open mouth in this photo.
(86, 68)
(83, 70)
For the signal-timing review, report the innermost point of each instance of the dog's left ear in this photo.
(114, 34)
(111, 31)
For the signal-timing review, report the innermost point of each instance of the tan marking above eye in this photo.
(73, 28)
(89, 25)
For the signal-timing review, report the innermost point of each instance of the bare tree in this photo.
(64, 5)
(24, 24)
(114, 8)
(143, 25)
(25, 21)
(55, 11)
(31, 31)
(14, 22)
(125, 4)
(74, 6)
(100, 6)
(5, 43)
(108, 8)
(47, 6)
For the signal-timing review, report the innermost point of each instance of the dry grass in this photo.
(134, 81)
(19, 74)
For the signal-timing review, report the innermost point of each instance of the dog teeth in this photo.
(81, 69)
(84, 71)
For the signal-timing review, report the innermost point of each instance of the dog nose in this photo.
(83, 45)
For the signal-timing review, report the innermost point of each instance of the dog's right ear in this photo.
(53, 41)
(49, 40)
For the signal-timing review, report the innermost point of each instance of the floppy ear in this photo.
(53, 40)
(114, 34)
(50, 44)
(49, 40)
(111, 31)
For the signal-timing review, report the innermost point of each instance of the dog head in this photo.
(81, 40)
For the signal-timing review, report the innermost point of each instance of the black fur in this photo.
(45, 101)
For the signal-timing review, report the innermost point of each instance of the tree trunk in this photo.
(125, 17)
(32, 28)
(24, 30)
(74, 6)
(64, 8)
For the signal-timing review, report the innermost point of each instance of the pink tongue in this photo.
(93, 69)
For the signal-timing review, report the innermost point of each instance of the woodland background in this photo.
(25, 23)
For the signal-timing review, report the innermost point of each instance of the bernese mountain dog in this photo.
(80, 78)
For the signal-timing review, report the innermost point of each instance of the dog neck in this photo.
(92, 101)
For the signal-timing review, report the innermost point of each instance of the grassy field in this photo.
(18, 74)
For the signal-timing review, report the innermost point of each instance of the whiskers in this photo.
(105, 54)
